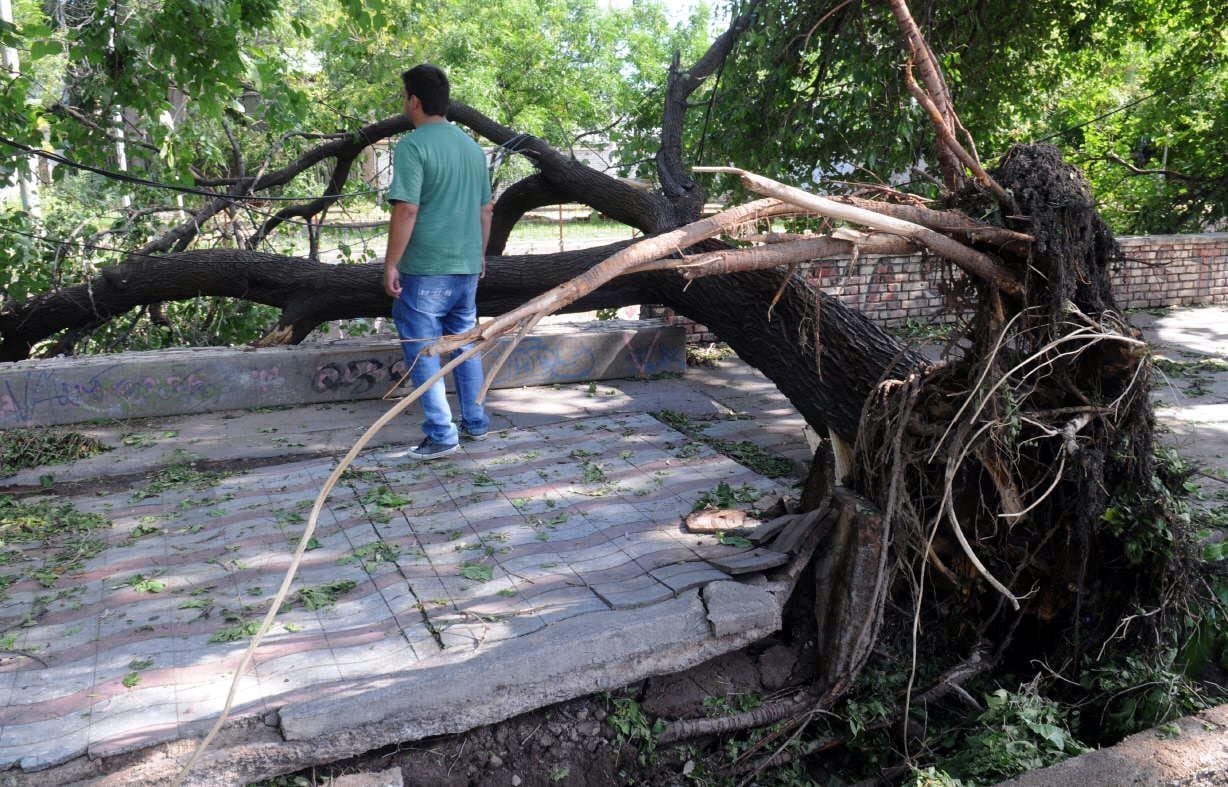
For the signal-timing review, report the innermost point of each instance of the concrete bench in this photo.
(206, 379)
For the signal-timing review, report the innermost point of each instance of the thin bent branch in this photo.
(970, 260)
(630, 260)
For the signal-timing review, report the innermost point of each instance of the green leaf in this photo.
(41, 48)
(476, 572)
(733, 541)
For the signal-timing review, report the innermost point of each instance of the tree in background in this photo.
(209, 97)
(1134, 92)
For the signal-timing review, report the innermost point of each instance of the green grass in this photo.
(242, 631)
(743, 452)
(63, 532)
(25, 448)
(176, 477)
(925, 332)
(476, 572)
(726, 496)
(573, 230)
(321, 596)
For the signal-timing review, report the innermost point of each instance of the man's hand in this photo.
(400, 230)
(482, 275)
(392, 282)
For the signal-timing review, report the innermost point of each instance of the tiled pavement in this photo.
(559, 550)
(414, 566)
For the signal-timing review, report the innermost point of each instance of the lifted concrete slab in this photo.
(463, 592)
(207, 379)
(527, 673)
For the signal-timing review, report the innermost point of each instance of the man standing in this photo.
(437, 236)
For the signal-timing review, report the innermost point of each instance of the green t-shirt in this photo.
(441, 170)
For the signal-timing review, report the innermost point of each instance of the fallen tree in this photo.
(983, 483)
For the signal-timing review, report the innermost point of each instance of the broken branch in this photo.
(632, 259)
(971, 261)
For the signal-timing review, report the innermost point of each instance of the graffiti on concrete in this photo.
(266, 380)
(21, 399)
(558, 360)
(356, 377)
(133, 386)
(657, 357)
(536, 359)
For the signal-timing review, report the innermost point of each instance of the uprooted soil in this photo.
(592, 740)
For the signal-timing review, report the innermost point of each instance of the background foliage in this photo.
(815, 92)
(1134, 91)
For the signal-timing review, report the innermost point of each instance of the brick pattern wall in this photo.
(1159, 270)
(1172, 270)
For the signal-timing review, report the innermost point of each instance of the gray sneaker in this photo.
(476, 437)
(429, 449)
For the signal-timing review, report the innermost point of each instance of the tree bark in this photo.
(827, 381)
(822, 355)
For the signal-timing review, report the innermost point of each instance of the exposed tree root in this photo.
(770, 713)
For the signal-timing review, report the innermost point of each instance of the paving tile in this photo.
(611, 557)
(364, 603)
(472, 632)
(34, 687)
(642, 544)
(545, 534)
(38, 746)
(567, 602)
(637, 591)
(7, 679)
(680, 577)
(754, 560)
(205, 700)
(361, 632)
(387, 655)
(294, 671)
(422, 638)
(134, 709)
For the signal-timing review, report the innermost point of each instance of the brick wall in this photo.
(1173, 270)
(1159, 270)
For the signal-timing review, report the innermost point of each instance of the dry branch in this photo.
(935, 99)
(970, 260)
(949, 221)
(946, 137)
(782, 253)
(630, 260)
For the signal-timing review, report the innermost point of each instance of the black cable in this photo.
(125, 177)
(1098, 118)
(96, 247)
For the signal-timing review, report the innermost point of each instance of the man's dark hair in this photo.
(430, 84)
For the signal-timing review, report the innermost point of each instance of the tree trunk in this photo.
(828, 383)
(825, 357)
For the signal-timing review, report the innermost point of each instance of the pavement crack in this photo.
(703, 599)
(418, 603)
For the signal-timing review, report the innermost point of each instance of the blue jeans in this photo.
(429, 307)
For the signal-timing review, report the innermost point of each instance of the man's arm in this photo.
(484, 215)
(400, 229)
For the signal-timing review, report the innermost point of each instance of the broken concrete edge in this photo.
(733, 607)
(208, 379)
(390, 777)
(494, 685)
(1192, 750)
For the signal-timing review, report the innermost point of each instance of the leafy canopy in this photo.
(815, 92)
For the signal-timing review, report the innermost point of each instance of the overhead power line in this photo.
(127, 178)
(80, 245)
